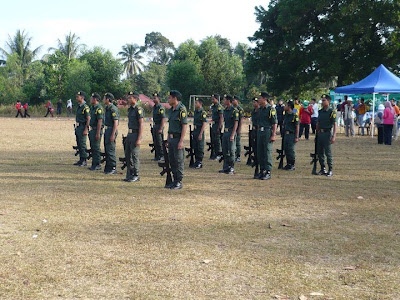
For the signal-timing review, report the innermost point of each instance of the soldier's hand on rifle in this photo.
(180, 145)
(273, 138)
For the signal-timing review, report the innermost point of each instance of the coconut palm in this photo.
(20, 44)
(131, 56)
(71, 47)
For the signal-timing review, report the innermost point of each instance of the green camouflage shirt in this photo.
(134, 114)
(326, 118)
(158, 114)
(231, 115)
(96, 113)
(217, 111)
(82, 112)
(177, 117)
(112, 113)
(267, 116)
(200, 116)
(290, 121)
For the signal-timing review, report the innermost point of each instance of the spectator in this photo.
(362, 109)
(339, 114)
(18, 108)
(388, 120)
(69, 108)
(59, 106)
(279, 113)
(396, 118)
(50, 109)
(297, 106)
(26, 110)
(348, 117)
(314, 116)
(305, 119)
(379, 122)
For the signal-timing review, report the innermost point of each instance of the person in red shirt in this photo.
(18, 107)
(50, 109)
(306, 111)
(26, 110)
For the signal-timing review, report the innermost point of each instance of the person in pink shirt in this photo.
(306, 111)
(388, 120)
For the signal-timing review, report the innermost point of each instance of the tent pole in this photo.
(373, 115)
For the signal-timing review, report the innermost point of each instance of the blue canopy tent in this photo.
(380, 81)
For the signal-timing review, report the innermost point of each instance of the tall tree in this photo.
(70, 47)
(131, 59)
(20, 44)
(158, 48)
(302, 44)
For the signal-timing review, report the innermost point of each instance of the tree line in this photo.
(301, 48)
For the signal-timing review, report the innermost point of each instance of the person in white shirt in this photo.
(348, 117)
(314, 116)
(69, 107)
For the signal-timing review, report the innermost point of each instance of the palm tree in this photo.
(20, 44)
(131, 56)
(70, 48)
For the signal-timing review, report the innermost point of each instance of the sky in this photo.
(112, 24)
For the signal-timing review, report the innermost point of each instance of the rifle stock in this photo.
(314, 156)
(123, 159)
(166, 165)
(281, 152)
(211, 143)
(249, 149)
(190, 150)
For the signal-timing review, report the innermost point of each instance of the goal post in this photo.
(193, 99)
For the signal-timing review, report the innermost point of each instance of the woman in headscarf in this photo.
(379, 122)
(388, 119)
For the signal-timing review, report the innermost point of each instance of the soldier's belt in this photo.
(174, 135)
(325, 130)
(263, 128)
(228, 129)
(255, 127)
(133, 130)
(80, 124)
(289, 132)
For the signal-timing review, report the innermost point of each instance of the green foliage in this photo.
(55, 72)
(106, 70)
(34, 85)
(78, 78)
(186, 77)
(158, 48)
(71, 47)
(131, 59)
(11, 80)
(305, 44)
(151, 80)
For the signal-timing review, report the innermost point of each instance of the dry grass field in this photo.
(69, 233)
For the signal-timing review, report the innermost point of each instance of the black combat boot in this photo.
(322, 171)
(83, 163)
(330, 173)
(266, 175)
(198, 165)
(177, 185)
(78, 163)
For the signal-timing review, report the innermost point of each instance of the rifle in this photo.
(211, 143)
(281, 152)
(166, 165)
(153, 146)
(190, 150)
(249, 149)
(255, 164)
(123, 159)
(314, 155)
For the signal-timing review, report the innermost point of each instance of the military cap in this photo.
(176, 94)
(216, 96)
(255, 99)
(228, 97)
(96, 96)
(134, 94)
(199, 100)
(156, 95)
(327, 97)
(264, 95)
(109, 96)
(290, 103)
(236, 98)
(82, 93)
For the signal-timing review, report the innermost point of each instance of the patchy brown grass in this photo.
(225, 237)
